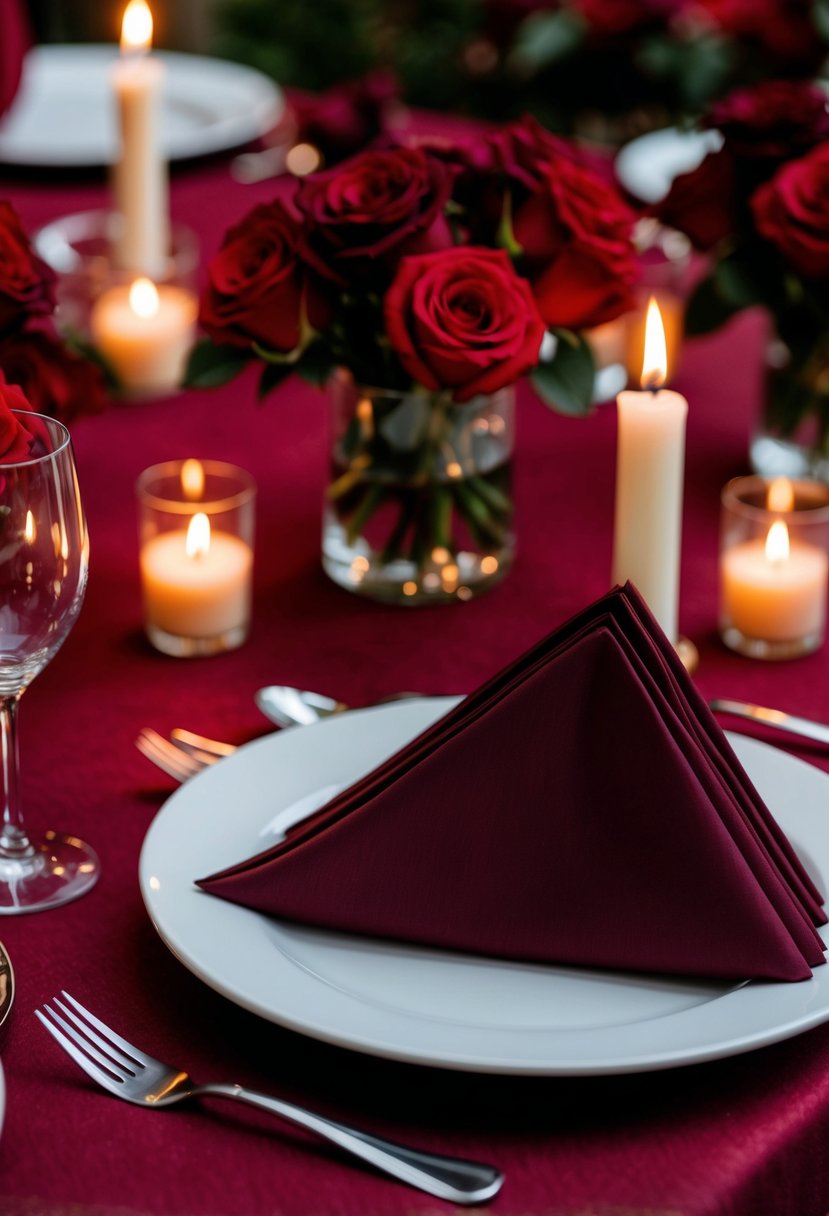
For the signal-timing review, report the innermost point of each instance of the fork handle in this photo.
(452, 1178)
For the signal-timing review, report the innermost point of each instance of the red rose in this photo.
(575, 233)
(784, 30)
(462, 319)
(55, 382)
(773, 120)
(26, 283)
(609, 20)
(792, 211)
(255, 282)
(347, 117)
(525, 151)
(15, 439)
(364, 215)
(702, 203)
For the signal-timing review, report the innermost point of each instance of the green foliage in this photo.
(566, 382)
(210, 366)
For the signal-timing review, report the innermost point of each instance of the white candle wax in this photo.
(649, 481)
(146, 353)
(774, 600)
(200, 596)
(140, 177)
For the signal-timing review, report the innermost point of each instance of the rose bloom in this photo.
(776, 119)
(55, 381)
(784, 29)
(347, 117)
(16, 439)
(26, 283)
(255, 282)
(364, 215)
(792, 211)
(610, 18)
(575, 233)
(702, 203)
(462, 319)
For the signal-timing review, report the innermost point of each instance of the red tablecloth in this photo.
(745, 1136)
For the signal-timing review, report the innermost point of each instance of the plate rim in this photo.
(810, 998)
(264, 113)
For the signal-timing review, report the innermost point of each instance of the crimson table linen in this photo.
(745, 1136)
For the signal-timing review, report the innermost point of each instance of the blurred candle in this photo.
(145, 333)
(649, 483)
(141, 189)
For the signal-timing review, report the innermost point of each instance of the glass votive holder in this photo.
(774, 543)
(142, 327)
(196, 526)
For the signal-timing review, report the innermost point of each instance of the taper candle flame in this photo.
(137, 27)
(29, 529)
(777, 543)
(655, 361)
(197, 541)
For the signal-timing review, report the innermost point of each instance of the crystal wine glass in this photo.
(44, 553)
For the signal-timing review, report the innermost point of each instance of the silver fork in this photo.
(124, 1070)
(179, 762)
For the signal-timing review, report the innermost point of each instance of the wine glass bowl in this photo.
(44, 555)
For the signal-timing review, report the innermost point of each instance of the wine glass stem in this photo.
(14, 843)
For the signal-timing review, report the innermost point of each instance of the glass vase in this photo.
(792, 437)
(418, 508)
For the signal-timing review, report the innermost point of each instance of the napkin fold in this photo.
(581, 807)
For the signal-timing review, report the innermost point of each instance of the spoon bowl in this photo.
(286, 706)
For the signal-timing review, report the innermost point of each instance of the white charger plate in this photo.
(647, 166)
(64, 114)
(429, 1006)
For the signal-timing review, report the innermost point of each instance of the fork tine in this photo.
(102, 1068)
(105, 1079)
(125, 1053)
(177, 764)
(200, 743)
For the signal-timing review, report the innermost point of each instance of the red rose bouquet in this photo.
(760, 207)
(430, 277)
(55, 379)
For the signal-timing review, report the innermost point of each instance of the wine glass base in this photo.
(62, 869)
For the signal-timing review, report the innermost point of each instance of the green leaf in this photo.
(505, 237)
(209, 365)
(545, 38)
(566, 383)
(820, 16)
(707, 310)
(272, 376)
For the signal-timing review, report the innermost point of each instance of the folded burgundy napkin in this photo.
(581, 807)
(14, 42)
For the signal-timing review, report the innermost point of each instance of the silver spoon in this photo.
(294, 707)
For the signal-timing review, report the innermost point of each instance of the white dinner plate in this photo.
(64, 114)
(431, 1006)
(647, 166)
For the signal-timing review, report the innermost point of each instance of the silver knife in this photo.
(777, 718)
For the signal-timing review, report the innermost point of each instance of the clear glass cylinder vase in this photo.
(418, 508)
(792, 435)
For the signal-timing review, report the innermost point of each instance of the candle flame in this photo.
(780, 496)
(29, 529)
(655, 361)
(137, 27)
(197, 541)
(192, 480)
(143, 299)
(777, 542)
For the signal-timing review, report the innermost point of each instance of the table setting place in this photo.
(414, 549)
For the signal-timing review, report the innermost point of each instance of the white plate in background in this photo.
(64, 114)
(647, 166)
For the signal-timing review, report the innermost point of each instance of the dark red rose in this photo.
(610, 18)
(462, 319)
(347, 117)
(792, 211)
(55, 381)
(15, 439)
(774, 120)
(525, 151)
(26, 283)
(575, 233)
(783, 29)
(364, 215)
(702, 203)
(255, 284)
(14, 43)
